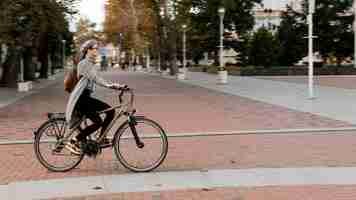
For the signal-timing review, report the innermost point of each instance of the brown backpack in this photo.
(70, 80)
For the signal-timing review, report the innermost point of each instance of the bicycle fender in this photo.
(139, 117)
(50, 119)
(41, 126)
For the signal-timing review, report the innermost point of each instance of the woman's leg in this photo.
(91, 107)
(96, 120)
(109, 116)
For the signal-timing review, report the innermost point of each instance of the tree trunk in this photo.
(216, 58)
(43, 56)
(52, 58)
(11, 68)
(1, 61)
(338, 60)
(29, 65)
(172, 50)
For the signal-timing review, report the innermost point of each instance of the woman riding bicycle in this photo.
(81, 103)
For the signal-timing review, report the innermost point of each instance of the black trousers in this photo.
(89, 107)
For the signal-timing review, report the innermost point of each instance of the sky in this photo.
(94, 9)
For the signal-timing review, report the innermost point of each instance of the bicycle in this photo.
(135, 137)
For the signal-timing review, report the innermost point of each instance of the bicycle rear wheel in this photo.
(49, 146)
(141, 159)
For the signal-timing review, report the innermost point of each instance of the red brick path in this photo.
(178, 107)
(223, 152)
(183, 108)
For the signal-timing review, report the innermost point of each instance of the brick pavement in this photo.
(220, 152)
(185, 108)
(314, 192)
(178, 107)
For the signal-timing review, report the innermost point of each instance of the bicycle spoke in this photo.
(50, 147)
(138, 158)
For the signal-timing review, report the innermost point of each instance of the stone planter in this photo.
(181, 76)
(222, 77)
(139, 68)
(24, 86)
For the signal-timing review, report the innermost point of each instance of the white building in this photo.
(269, 16)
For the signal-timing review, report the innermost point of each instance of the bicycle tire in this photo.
(130, 142)
(37, 142)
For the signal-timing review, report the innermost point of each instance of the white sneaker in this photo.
(73, 146)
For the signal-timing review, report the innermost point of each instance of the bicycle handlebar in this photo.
(122, 91)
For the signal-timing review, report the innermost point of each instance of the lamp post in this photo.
(221, 12)
(184, 26)
(119, 49)
(310, 48)
(63, 53)
(222, 73)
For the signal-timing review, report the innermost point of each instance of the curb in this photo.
(323, 131)
(177, 180)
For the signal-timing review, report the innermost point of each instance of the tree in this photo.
(291, 34)
(85, 30)
(205, 20)
(32, 29)
(264, 48)
(333, 26)
(135, 20)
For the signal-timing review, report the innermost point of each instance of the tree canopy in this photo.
(33, 29)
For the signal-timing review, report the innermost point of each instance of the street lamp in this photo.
(119, 49)
(184, 26)
(310, 49)
(64, 54)
(222, 73)
(182, 71)
(221, 12)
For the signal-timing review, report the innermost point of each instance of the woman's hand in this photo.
(118, 86)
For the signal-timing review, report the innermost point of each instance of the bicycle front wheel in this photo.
(141, 158)
(49, 146)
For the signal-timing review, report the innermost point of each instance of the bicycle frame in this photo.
(117, 116)
(119, 112)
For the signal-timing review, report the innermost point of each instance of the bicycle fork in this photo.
(132, 123)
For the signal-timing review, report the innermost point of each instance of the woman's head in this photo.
(89, 49)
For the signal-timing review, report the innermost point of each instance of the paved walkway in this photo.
(9, 96)
(331, 102)
(169, 181)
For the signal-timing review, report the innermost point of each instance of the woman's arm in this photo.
(87, 70)
(99, 80)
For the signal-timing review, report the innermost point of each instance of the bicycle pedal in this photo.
(57, 150)
(105, 145)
